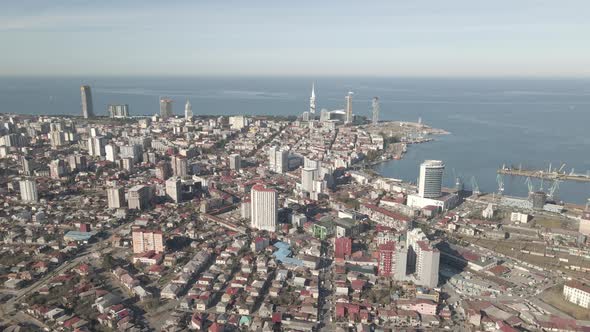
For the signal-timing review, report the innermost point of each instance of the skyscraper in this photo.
(28, 190)
(57, 168)
(430, 182)
(116, 197)
(312, 101)
(375, 110)
(188, 111)
(348, 99)
(87, 110)
(165, 108)
(264, 207)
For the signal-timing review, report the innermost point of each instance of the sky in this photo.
(434, 38)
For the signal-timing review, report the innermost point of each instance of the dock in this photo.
(545, 175)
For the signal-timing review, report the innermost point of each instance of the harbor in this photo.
(549, 174)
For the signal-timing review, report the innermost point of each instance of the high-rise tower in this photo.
(348, 99)
(165, 108)
(312, 100)
(431, 175)
(264, 208)
(188, 111)
(87, 110)
(375, 110)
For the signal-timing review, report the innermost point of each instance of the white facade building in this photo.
(577, 293)
(116, 197)
(264, 207)
(28, 190)
(174, 189)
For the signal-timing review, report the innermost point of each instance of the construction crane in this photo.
(554, 187)
(561, 168)
(500, 180)
(474, 186)
(529, 184)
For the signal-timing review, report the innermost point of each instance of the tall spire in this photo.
(312, 99)
(188, 110)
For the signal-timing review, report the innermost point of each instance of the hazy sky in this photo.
(312, 38)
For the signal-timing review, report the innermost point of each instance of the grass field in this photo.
(554, 297)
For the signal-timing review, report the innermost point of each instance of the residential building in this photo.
(179, 166)
(349, 116)
(118, 111)
(235, 162)
(28, 190)
(264, 207)
(174, 189)
(140, 197)
(147, 240)
(577, 292)
(116, 197)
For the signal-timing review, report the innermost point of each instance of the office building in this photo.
(140, 197)
(116, 197)
(87, 110)
(312, 101)
(28, 190)
(188, 111)
(431, 176)
(166, 108)
(174, 189)
(264, 206)
(112, 152)
(179, 166)
(57, 168)
(386, 261)
(118, 111)
(147, 240)
(235, 162)
(376, 109)
(348, 99)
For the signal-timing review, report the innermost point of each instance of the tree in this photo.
(108, 262)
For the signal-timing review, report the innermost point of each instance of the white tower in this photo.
(348, 107)
(188, 111)
(431, 174)
(312, 100)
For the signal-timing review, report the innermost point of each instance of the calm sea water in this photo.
(493, 121)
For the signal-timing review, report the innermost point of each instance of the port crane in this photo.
(554, 187)
(474, 186)
(500, 180)
(529, 184)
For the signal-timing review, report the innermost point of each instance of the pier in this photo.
(545, 174)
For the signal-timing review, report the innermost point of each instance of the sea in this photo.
(492, 122)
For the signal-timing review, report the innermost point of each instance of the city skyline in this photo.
(456, 39)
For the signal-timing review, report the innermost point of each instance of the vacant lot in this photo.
(554, 296)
